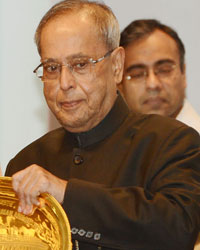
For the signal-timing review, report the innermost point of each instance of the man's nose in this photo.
(152, 81)
(67, 80)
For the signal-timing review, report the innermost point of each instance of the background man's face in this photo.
(78, 103)
(163, 90)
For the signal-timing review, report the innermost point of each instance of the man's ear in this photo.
(118, 57)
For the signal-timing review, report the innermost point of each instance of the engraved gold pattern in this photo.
(47, 228)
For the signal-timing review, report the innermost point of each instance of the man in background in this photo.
(154, 79)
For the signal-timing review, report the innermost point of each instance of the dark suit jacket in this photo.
(134, 180)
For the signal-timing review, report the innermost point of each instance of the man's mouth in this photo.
(70, 104)
(154, 101)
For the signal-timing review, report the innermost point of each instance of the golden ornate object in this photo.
(46, 229)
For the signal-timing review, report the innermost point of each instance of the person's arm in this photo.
(164, 213)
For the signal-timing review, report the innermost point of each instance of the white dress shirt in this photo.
(189, 116)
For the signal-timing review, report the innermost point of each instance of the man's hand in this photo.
(31, 182)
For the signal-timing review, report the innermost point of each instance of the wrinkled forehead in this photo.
(70, 34)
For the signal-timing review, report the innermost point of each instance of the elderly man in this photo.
(155, 76)
(126, 181)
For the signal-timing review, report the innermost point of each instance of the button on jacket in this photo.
(134, 180)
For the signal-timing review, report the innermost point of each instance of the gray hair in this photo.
(104, 19)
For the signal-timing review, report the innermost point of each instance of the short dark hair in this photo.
(139, 29)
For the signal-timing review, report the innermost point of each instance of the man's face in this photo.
(79, 101)
(157, 84)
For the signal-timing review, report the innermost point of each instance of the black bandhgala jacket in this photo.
(133, 181)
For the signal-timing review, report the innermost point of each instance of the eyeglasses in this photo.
(78, 66)
(140, 74)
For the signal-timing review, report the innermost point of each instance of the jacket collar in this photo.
(106, 127)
